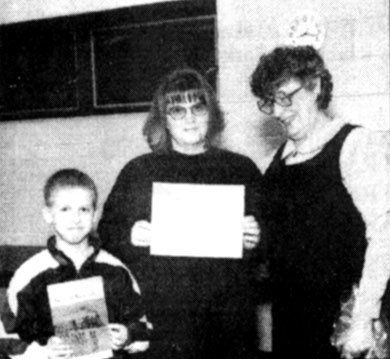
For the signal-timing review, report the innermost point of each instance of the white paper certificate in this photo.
(197, 220)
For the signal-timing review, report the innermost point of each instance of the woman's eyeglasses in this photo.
(282, 99)
(178, 112)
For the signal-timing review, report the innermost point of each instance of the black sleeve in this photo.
(257, 265)
(123, 302)
(253, 183)
(120, 212)
(32, 320)
(125, 305)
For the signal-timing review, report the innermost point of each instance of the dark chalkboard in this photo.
(128, 62)
(38, 68)
(103, 62)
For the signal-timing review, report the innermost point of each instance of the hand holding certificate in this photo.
(197, 220)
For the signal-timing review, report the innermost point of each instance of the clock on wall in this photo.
(306, 28)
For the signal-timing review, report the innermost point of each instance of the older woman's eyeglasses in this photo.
(178, 112)
(282, 99)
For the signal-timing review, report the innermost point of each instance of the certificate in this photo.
(197, 220)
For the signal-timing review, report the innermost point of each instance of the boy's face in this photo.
(71, 214)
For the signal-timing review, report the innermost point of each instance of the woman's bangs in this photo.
(186, 96)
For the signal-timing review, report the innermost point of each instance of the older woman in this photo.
(326, 210)
(200, 307)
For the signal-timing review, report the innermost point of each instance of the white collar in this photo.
(313, 144)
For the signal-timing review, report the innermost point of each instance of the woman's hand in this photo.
(57, 349)
(119, 336)
(141, 234)
(138, 347)
(251, 232)
(358, 340)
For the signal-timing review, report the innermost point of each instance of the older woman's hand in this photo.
(141, 234)
(251, 232)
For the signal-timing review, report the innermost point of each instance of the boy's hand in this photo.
(141, 234)
(119, 336)
(57, 349)
(251, 232)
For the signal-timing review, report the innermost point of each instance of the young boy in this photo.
(73, 253)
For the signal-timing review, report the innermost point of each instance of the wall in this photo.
(30, 151)
(356, 49)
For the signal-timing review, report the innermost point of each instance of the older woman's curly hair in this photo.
(174, 88)
(285, 63)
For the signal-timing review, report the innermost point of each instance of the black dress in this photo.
(200, 307)
(316, 242)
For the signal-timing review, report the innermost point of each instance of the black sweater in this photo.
(177, 282)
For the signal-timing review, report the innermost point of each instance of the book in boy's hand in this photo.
(80, 318)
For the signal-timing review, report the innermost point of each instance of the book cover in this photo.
(80, 318)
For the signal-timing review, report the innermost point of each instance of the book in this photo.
(80, 318)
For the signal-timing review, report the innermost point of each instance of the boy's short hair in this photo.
(68, 177)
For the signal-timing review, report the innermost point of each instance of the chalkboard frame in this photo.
(66, 50)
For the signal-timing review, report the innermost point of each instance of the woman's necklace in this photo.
(323, 133)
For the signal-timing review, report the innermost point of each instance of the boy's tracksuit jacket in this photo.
(27, 310)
